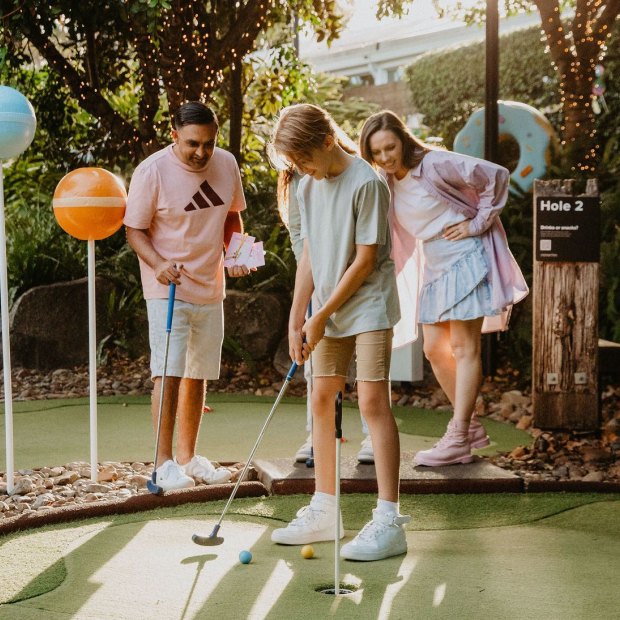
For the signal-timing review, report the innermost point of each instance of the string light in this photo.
(588, 33)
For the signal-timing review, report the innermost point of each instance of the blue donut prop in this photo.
(530, 128)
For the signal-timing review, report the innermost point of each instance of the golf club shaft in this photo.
(171, 294)
(283, 389)
(338, 425)
(337, 533)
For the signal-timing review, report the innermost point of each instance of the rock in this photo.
(255, 321)
(67, 478)
(594, 476)
(107, 474)
(515, 398)
(41, 335)
(518, 453)
(403, 400)
(96, 488)
(139, 480)
(594, 454)
(23, 486)
(524, 422)
(42, 500)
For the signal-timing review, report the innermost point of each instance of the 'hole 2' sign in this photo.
(567, 229)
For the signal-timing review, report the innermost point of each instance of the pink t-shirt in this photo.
(184, 211)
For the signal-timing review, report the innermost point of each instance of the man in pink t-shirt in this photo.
(184, 204)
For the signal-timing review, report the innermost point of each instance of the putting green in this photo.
(55, 432)
(491, 556)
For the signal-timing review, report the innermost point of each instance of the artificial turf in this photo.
(55, 432)
(568, 544)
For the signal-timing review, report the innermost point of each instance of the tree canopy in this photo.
(576, 32)
(158, 53)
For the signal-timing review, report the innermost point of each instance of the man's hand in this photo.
(167, 272)
(238, 271)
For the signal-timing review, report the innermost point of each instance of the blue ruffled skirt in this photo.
(455, 285)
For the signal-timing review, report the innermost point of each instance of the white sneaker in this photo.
(305, 451)
(312, 524)
(380, 538)
(201, 468)
(170, 475)
(366, 453)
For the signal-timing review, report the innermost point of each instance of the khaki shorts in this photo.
(195, 339)
(373, 352)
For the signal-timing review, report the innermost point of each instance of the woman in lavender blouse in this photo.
(455, 273)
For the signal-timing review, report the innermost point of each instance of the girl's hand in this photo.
(297, 348)
(457, 231)
(314, 330)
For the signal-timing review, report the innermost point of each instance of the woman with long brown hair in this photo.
(456, 274)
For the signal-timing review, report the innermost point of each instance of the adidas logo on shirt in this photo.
(205, 198)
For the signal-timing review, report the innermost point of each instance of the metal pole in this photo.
(491, 136)
(92, 359)
(6, 345)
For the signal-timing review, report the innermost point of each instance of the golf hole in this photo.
(345, 588)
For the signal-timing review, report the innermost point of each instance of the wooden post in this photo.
(565, 313)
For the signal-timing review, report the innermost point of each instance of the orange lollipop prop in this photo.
(89, 203)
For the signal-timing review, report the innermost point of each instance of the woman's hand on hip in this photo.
(457, 231)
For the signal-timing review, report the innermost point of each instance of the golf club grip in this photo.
(339, 415)
(292, 371)
(172, 289)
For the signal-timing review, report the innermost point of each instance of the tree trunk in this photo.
(235, 109)
(565, 332)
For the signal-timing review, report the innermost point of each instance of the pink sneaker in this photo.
(452, 448)
(478, 437)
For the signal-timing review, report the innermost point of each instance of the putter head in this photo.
(153, 487)
(310, 462)
(208, 541)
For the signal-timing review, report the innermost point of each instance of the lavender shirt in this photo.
(478, 189)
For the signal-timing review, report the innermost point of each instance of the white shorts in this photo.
(195, 339)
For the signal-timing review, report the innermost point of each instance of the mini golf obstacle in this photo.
(17, 127)
(89, 204)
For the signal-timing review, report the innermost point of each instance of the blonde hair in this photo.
(299, 130)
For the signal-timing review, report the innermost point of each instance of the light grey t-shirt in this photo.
(337, 214)
(294, 218)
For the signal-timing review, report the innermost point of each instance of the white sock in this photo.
(387, 508)
(324, 500)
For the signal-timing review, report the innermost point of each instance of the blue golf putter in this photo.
(152, 485)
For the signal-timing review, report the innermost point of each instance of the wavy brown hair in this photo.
(301, 129)
(413, 148)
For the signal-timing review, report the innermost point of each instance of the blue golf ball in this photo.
(245, 557)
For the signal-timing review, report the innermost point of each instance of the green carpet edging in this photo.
(44, 547)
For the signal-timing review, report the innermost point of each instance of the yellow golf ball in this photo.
(307, 552)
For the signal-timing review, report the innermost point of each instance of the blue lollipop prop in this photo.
(17, 126)
(17, 123)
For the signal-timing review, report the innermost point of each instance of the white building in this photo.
(372, 52)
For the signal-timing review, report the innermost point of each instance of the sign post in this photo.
(565, 314)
